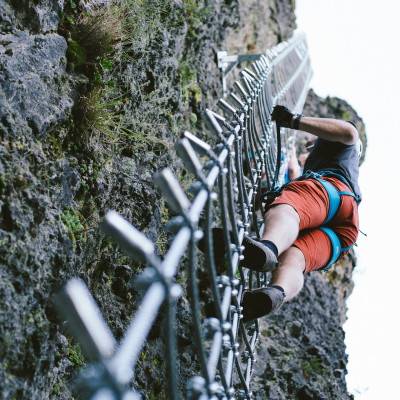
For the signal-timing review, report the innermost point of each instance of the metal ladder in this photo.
(227, 183)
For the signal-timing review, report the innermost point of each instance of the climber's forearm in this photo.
(293, 165)
(334, 130)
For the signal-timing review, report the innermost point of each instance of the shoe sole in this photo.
(258, 304)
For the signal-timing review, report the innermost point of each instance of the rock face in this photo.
(333, 107)
(83, 132)
(40, 16)
(36, 93)
(262, 24)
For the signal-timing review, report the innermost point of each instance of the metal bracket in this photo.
(226, 63)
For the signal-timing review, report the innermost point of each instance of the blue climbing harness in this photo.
(334, 196)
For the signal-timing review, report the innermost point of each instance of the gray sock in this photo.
(271, 246)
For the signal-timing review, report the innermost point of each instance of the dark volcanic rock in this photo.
(35, 93)
(261, 24)
(37, 16)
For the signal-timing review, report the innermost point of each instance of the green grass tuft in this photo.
(72, 222)
(313, 366)
(75, 355)
(190, 90)
(195, 14)
(101, 45)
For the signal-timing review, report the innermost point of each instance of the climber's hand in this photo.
(282, 115)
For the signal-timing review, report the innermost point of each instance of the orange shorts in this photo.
(310, 200)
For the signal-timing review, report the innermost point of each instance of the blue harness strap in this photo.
(334, 199)
(335, 244)
(337, 248)
(334, 196)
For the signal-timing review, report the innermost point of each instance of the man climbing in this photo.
(313, 220)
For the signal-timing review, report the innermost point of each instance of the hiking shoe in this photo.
(257, 256)
(259, 302)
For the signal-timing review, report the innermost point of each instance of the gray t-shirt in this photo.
(336, 157)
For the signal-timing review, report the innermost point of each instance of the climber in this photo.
(313, 219)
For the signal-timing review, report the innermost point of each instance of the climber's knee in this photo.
(289, 274)
(284, 210)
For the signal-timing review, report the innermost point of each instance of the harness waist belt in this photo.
(334, 194)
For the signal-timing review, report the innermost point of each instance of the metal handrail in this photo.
(247, 154)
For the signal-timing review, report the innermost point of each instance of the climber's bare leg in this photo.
(281, 226)
(289, 274)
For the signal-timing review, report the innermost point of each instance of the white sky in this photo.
(355, 55)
